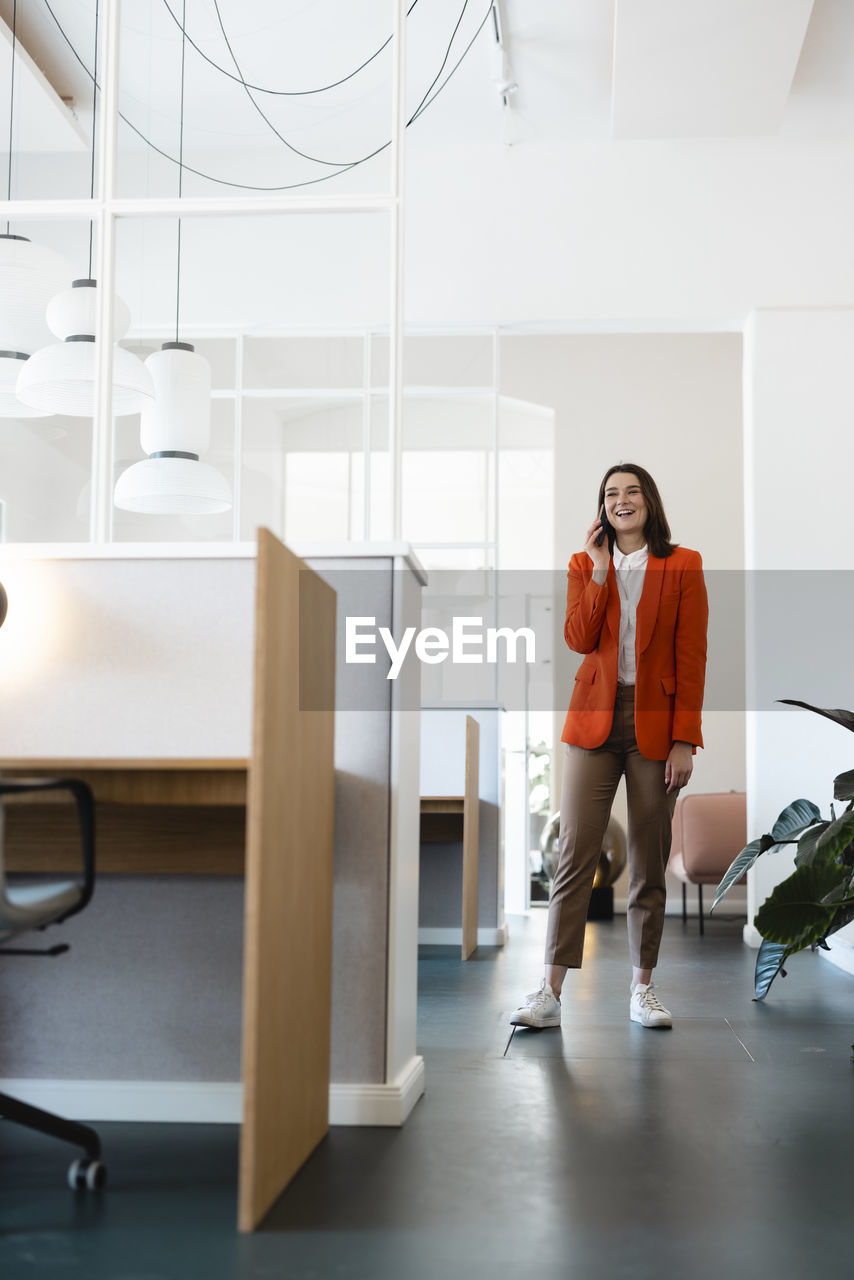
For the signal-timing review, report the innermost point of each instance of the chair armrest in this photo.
(85, 801)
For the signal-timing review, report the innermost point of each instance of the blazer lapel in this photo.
(612, 608)
(648, 603)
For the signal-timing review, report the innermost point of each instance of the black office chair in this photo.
(36, 906)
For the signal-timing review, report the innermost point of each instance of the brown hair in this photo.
(656, 530)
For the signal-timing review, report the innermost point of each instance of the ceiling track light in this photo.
(502, 77)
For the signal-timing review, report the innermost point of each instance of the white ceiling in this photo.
(586, 70)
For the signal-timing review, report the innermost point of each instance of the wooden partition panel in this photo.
(289, 843)
(471, 837)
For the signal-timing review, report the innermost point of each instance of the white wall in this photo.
(628, 234)
(799, 457)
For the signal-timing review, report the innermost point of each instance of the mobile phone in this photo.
(600, 536)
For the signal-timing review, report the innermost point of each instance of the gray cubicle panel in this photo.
(153, 657)
(443, 741)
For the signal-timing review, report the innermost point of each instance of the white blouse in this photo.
(629, 572)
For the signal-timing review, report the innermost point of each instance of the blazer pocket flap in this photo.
(668, 684)
(586, 674)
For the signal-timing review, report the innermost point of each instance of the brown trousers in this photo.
(590, 779)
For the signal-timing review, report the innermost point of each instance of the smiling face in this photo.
(625, 506)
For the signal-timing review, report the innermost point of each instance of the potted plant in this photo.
(817, 899)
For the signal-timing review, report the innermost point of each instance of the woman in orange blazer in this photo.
(637, 609)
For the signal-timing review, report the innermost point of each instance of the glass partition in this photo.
(45, 435)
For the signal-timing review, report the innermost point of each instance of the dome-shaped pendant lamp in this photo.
(61, 378)
(174, 430)
(30, 275)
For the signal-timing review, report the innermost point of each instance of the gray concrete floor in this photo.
(601, 1150)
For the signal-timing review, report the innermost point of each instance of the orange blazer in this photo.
(670, 652)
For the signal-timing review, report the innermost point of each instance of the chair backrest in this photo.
(709, 830)
(33, 906)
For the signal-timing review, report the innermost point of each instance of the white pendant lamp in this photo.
(61, 378)
(174, 430)
(30, 275)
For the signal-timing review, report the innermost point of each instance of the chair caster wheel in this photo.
(87, 1175)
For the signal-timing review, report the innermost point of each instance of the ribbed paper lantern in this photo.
(60, 378)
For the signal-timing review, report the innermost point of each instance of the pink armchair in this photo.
(708, 832)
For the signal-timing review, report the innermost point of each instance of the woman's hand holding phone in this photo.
(596, 543)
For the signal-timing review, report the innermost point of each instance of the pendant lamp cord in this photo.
(12, 101)
(92, 166)
(180, 165)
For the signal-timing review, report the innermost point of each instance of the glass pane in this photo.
(285, 485)
(220, 354)
(45, 451)
(45, 465)
(381, 471)
(303, 362)
(526, 485)
(452, 360)
(446, 468)
(326, 414)
(277, 273)
(455, 558)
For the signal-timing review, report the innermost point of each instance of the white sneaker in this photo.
(647, 1009)
(541, 1009)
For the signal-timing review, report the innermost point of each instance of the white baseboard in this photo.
(453, 937)
(377, 1104)
(167, 1101)
(207, 1102)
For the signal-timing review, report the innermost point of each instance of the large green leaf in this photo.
(807, 844)
(794, 819)
(845, 718)
(843, 786)
(737, 868)
(769, 962)
(794, 913)
(836, 837)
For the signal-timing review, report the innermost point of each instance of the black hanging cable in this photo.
(180, 168)
(426, 103)
(285, 93)
(290, 186)
(92, 166)
(333, 164)
(447, 55)
(12, 102)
